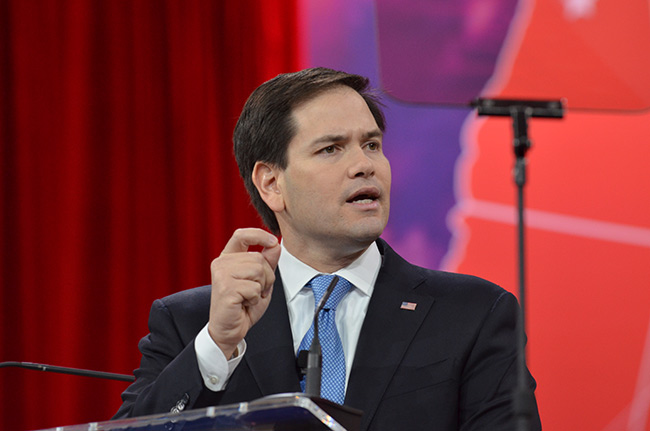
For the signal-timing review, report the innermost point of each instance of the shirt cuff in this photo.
(214, 367)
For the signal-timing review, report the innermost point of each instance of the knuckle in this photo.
(259, 259)
(217, 266)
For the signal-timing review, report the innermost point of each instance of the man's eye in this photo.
(328, 150)
(373, 146)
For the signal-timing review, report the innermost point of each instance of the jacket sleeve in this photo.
(168, 377)
(490, 373)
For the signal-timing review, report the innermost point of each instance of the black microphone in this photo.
(68, 370)
(315, 355)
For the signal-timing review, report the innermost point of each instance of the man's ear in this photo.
(266, 178)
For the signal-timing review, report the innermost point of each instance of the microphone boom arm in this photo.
(68, 370)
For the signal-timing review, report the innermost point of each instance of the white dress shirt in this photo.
(350, 313)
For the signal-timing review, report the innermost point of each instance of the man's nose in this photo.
(361, 165)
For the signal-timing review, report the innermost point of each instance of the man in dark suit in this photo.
(417, 349)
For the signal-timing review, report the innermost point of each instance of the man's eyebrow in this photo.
(373, 134)
(329, 139)
(339, 138)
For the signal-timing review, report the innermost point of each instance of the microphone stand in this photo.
(68, 370)
(521, 111)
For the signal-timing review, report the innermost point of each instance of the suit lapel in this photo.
(269, 354)
(386, 333)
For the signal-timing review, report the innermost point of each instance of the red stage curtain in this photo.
(118, 182)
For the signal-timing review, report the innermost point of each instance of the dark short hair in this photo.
(266, 125)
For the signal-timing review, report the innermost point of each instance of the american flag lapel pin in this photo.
(408, 306)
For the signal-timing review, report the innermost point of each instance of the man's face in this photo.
(335, 189)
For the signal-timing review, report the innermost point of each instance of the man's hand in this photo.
(242, 283)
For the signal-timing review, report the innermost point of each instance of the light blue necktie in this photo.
(333, 377)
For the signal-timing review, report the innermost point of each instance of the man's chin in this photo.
(366, 233)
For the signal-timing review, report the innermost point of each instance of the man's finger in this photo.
(272, 255)
(269, 275)
(242, 239)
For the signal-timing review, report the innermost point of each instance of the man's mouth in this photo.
(365, 196)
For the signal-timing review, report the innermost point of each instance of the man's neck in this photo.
(325, 260)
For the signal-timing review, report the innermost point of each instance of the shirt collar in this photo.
(362, 273)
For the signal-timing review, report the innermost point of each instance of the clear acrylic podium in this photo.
(282, 412)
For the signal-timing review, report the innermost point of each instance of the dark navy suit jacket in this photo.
(447, 365)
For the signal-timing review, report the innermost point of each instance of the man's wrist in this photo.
(214, 366)
(229, 350)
